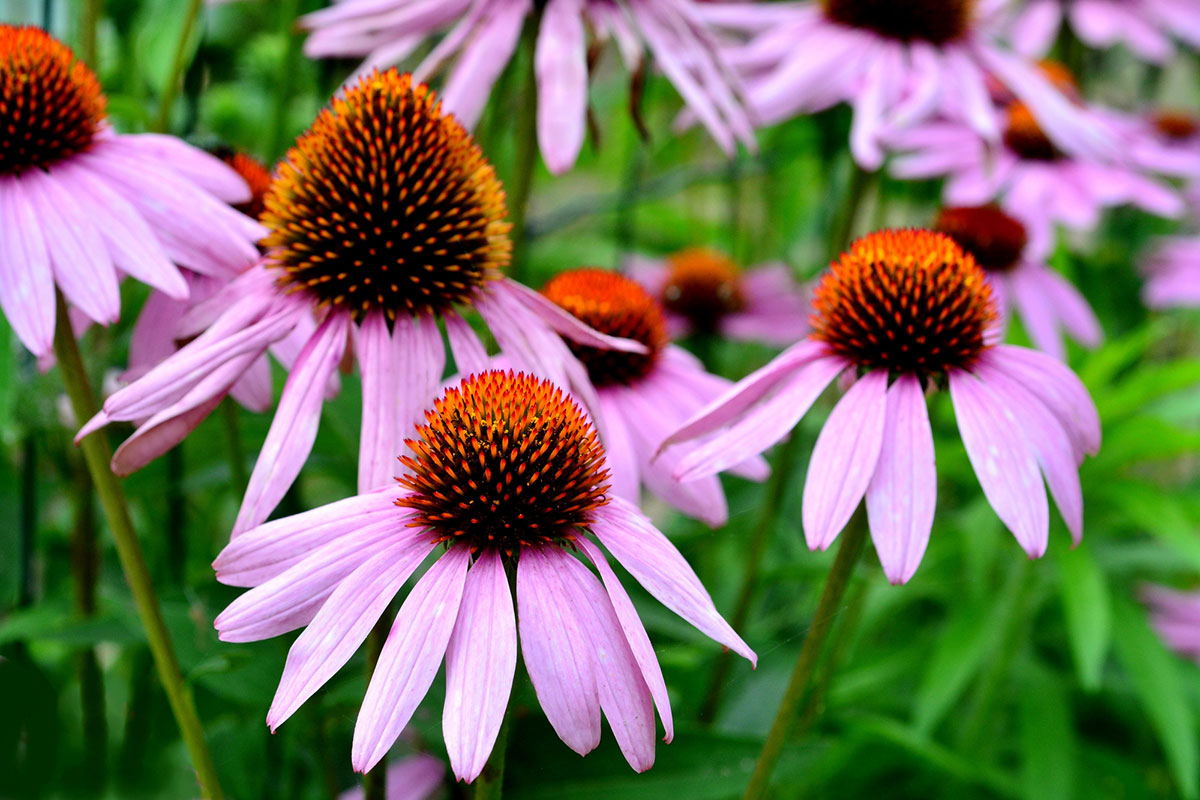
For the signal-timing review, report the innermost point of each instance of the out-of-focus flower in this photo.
(1146, 27)
(506, 475)
(80, 204)
(897, 64)
(1172, 273)
(1176, 617)
(1047, 303)
(643, 397)
(702, 290)
(383, 219)
(911, 309)
(1164, 142)
(415, 777)
(477, 38)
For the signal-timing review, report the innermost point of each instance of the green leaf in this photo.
(58, 622)
(1087, 608)
(1165, 515)
(1155, 678)
(1047, 739)
(1145, 385)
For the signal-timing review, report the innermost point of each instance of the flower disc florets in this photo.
(1025, 137)
(908, 301)
(504, 461)
(996, 239)
(386, 202)
(254, 173)
(1176, 124)
(936, 21)
(50, 102)
(617, 306)
(702, 285)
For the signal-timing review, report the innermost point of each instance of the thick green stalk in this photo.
(98, 455)
(526, 155)
(853, 538)
(171, 87)
(490, 783)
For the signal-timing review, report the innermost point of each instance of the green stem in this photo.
(84, 567)
(171, 88)
(814, 705)
(526, 156)
(88, 21)
(853, 539)
(841, 227)
(490, 783)
(237, 453)
(375, 781)
(98, 455)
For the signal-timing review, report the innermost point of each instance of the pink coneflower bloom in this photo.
(480, 37)
(80, 205)
(1028, 176)
(643, 397)
(384, 218)
(1172, 273)
(415, 777)
(1146, 27)
(1176, 616)
(1047, 303)
(506, 475)
(702, 290)
(908, 312)
(897, 64)
(1164, 142)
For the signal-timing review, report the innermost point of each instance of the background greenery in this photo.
(988, 675)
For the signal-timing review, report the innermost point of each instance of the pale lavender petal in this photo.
(483, 59)
(469, 353)
(410, 658)
(422, 359)
(564, 322)
(203, 169)
(1059, 390)
(378, 364)
(657, 565)
(294, 428)
(415, 777)
(622, 461)
(345, 619)
(562, 81)
(1003, 460)
(26, 281)
(481, 659)
(903, 491)
(254, 389)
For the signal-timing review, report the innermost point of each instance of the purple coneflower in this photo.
(506, 475)
(897, 64)
(480, 37)
(415, 777)
(1047, 303)
(1146, 27)
(908, 312)
(384, 218)
(702, 290)
(1172, 273)
(643, 397)
(1176, 616)
(80, 204)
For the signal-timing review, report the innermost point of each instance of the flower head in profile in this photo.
(383, 219)
(475, 39)
(1148, 28)
(81, 205)
(1021, 280)
(908, 312)
(506, 475)
(703, 290)
(643, 397)
(896, 64)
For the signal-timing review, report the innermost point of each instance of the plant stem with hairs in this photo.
(98, 456)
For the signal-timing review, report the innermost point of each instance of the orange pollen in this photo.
(995, 239)
(908, 301)
(1026, 138)
(1060, 77)
(504, 461)
(937, 21)
(1176, 124)
(255, 174)
(386, 203)
(51, 105)
(702, 285)
(617, 306)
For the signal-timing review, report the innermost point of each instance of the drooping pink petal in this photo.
(555, 652)
(1057, 387)
(469, 353)
(481, 659)
(483, 59)
(562, 79)
(294, 428)
(1003, 460)
(379, 366)
(410, 658)
(903, 491)
(648, 555)
(562, 321)
(414, 777)
(26, 280)
(619, 453)
(203, 169)
(254, 389)
(422, 360)
(343, 622)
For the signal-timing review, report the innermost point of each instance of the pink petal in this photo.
(483, 59)
(481, 659)
(254, 390)
(345, 619)
(1057, 387)
(410, 658)
(26, 280)
(563, 322)
(903, 491)
(657, 565)
(378, 364)
(1003, 461)
(469, 353)
(415, 777)
(562, 80)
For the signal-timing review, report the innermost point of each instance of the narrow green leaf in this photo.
(1087, 607)
(1155, 678)
(1047, 739)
